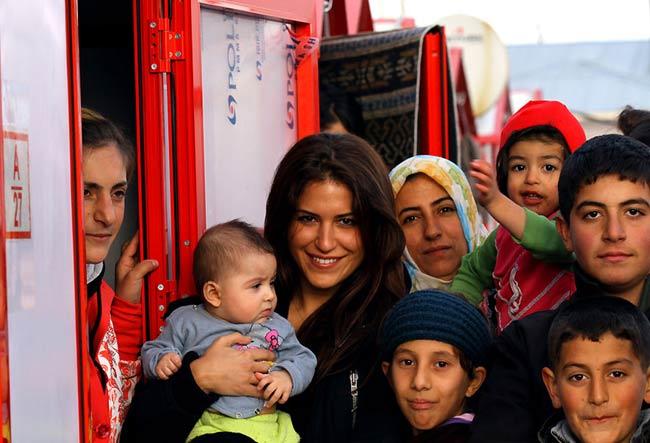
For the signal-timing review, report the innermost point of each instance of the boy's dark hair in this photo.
(592, 317)
(611, 154)
(544, 134)
(222, 246)
(98, 132)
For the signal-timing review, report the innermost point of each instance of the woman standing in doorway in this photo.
(114, 322)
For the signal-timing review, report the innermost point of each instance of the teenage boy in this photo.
(604, 192)
(599, 350)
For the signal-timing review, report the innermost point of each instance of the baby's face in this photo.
(247, 294)
(601, 387)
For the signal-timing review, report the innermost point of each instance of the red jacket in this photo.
(115, 338)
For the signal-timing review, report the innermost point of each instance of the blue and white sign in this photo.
(249, 111)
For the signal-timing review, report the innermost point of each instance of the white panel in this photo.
(249, 110)
(40, 280)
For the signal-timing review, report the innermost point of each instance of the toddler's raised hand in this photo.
(486, 183)
(276, 386)
(506, 212)
(168, 365)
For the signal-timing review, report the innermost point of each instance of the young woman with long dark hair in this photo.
(331, 222)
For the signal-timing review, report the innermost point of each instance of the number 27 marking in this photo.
(18, 201)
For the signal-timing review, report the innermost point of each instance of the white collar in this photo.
(93, 270)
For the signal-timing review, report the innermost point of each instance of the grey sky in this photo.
(527, 21)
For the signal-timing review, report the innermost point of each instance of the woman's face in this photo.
(105, 181)
(324, 237)
(434, 235)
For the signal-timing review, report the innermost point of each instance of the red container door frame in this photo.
(434, 133)
(169, 58)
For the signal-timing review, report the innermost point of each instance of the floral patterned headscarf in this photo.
(453, 180)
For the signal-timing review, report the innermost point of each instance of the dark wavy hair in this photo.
(98, 132)
(635, 123)
(337, 330)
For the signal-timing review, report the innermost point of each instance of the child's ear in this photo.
(385, 367)
(646, 396)
(212, 293)
(476, 382)
(549, 381)
(563, 229)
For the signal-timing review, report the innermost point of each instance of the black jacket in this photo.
(514, 404)
(166, 411)
(323, 413)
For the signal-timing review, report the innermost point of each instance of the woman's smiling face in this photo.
(324, 237)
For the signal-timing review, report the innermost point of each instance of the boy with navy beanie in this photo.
(433, 349)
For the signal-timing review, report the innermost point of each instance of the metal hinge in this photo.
(165, 46)
(165, 291)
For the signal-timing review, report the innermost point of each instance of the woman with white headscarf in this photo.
(439, 217)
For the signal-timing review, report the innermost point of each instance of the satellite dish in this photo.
(485, 58)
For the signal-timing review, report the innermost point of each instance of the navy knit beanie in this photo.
(436, 315)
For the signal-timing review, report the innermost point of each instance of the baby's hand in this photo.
(168, 365)
(276, 386)
(486, 183)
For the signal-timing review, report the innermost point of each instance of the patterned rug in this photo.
(380, 70)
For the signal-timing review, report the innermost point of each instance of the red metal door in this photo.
(171, 132)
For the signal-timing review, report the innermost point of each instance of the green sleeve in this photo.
(542, 239)
(475, 273)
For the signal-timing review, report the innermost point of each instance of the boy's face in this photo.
(609, 231)
(600, 386)
(429, 383)
(533, 171)
(247, 293)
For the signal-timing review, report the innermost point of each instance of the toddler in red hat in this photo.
(523, 266)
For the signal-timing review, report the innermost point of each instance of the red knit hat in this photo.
(545, 113)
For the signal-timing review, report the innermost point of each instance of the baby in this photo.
(234, 268)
